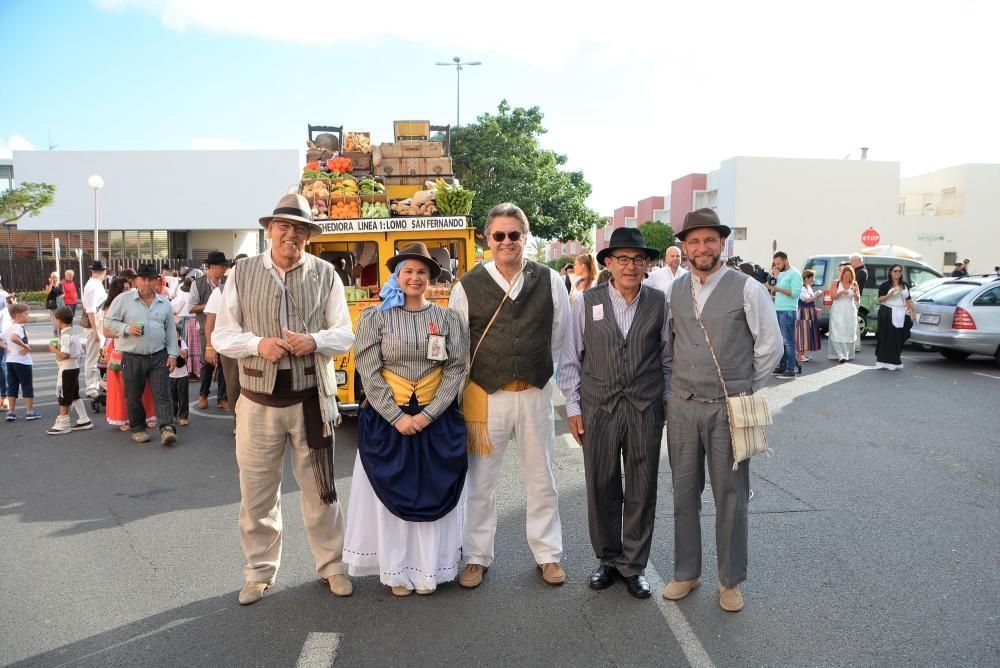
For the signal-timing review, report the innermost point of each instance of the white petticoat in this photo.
(415, 555)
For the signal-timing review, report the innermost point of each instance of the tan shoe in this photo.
(472, 576)
(253, 592)
(202, 401)
(552, 573)
(140, 437)
(183, 422)
(730, 598)
(168, 437)
(339, 585)
(401, 591)
(425, 592)
(678, 589)
(224, 405)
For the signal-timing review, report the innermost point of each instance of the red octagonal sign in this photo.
(870, 237)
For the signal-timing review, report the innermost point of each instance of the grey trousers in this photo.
(136, 369)
(621, 520)
(697, 430)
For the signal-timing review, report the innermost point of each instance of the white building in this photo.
(812, 207)
(160, 204)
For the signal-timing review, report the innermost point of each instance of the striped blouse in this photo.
(397, 340)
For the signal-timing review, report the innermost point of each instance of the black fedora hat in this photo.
(147, 271)
(415, 251)
(97, 265)
(701, 219)
(627, 237)
(217, 257)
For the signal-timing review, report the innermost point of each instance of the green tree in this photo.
(28, 199)
(499, 157)
(657, 235)
(538, 249)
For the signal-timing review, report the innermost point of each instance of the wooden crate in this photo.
(360, 161)
(415, 167)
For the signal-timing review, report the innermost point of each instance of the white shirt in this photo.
(194, 298)
(230, 338)
(214, 301)
(15, 355)
(180, 371)
(560, 302)
(94, 295)
(69, 343)
(172, 283)
(663, 278)
(181, 304)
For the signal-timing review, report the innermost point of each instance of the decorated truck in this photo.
(371, 201)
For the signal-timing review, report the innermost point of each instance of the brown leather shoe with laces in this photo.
(472, 576)
(552, 573)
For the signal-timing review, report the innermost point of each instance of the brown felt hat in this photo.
(415, 251)
(295, 209)
(700, 219)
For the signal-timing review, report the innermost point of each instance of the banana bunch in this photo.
(453, 199)
(374, 210)
(369, 186)
(345, 187)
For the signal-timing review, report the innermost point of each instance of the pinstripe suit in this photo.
(617, 350)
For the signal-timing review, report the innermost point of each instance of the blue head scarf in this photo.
(391, 294)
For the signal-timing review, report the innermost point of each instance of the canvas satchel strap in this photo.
(718, 369)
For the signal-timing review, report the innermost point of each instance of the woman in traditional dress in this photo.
(843, 316)
(190, 330)
(807, 323)
(894, 321)
(116, 413)
(404, 521)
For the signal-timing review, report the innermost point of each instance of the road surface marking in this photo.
(978, 373)
(690, 645)
(319, 650)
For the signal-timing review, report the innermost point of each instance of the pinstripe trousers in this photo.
(621, 520)
(696, 430)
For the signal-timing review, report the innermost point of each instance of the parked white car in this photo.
(960, 317)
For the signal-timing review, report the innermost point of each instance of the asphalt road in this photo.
(873, 534)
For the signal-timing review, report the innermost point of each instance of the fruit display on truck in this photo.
(371, 199)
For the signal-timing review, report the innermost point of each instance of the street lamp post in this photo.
(457, 64)
(96, 183)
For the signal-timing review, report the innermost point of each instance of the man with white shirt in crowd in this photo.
(663, 278)
(216, 265)
(229, 372)
(94, 296)
(517, 311)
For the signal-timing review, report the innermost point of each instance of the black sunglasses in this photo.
(500, 236)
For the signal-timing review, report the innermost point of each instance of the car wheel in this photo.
(955, 355)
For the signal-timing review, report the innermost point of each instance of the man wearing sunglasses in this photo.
(615, 374)
(516, 310)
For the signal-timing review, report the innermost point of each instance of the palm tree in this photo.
(538, 249)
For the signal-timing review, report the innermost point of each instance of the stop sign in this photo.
(870, 237)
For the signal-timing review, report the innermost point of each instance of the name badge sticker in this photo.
(598, 312)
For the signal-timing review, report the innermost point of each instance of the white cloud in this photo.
(14, 143)
(218, 144)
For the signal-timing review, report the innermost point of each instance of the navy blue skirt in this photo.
(417, 478)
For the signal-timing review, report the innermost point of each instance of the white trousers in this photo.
(262, 433)
(92, 376)
(528, 418)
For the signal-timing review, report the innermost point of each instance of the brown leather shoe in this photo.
(552, 573)
(730, 598)
(224, 405)
(678, 589)
(253, 592)
(339, 585)
(472, 576)
(202, 401)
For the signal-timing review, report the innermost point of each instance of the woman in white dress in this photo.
(843, 316)
(404, 519)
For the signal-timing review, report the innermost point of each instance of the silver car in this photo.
(960, 317)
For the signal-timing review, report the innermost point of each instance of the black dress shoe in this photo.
(603, 577)
(637, 586)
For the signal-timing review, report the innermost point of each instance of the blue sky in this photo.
(636, 94)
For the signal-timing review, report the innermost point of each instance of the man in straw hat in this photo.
(614, 374)
(517, 311)
(284, 319)
(743, 329)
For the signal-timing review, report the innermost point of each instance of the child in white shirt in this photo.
(68, 354)
(19, 365)
(179, 385)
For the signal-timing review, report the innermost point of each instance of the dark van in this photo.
(826, 269)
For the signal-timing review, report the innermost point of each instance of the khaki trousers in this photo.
(261, 435)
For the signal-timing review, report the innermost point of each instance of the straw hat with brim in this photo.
(415, 251)
(147, 271)
(702, 219)
(294, 209)
(627, 237)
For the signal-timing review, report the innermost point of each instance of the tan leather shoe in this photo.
(202, 401)
(224, 405)
(140, 437)
(183, 422)
(678, 589)
(425, 592)
(552, 573)
(253, 592)
(730, 598)
(401, 591)
(472, 576)
(339, 585)
(168, 437)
